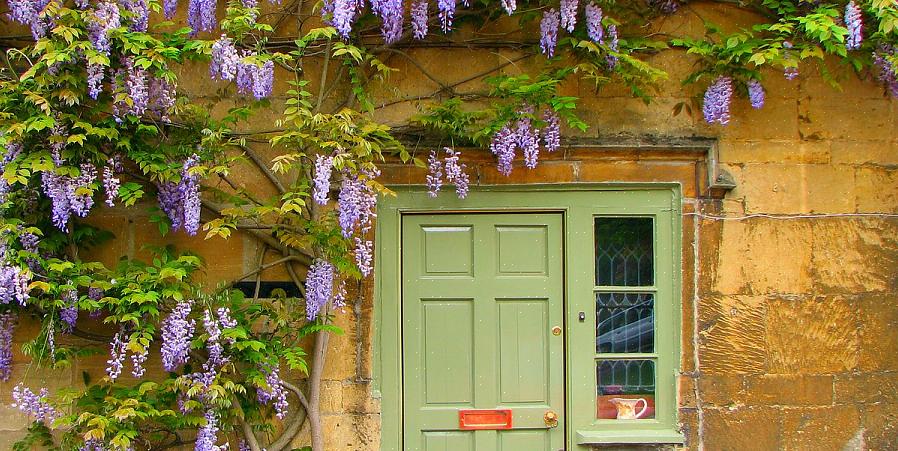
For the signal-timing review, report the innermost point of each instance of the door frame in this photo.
(414, 199)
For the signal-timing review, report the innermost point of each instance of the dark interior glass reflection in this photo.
(625, 322)
(624, 251)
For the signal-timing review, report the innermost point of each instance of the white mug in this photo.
(626, 408)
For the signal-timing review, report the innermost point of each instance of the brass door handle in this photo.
(551, 419)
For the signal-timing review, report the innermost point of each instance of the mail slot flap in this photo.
(484, 419)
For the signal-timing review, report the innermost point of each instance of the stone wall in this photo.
(790, 308)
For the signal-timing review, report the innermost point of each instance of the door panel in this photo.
(481, 294)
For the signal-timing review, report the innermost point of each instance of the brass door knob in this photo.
(551, 419)
(556, 331)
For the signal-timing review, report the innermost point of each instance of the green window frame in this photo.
(580, 205)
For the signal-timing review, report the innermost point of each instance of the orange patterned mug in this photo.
(626, 408)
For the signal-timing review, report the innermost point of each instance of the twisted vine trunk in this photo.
(314, 413)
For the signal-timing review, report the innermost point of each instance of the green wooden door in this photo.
(481, 295)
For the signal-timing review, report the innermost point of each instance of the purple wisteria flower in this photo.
(503, 146)
(7, 325)
(263, 79)
(510, 6)
(434, 174)
(162, 96)
(137, 86)
(887, 73)
(201, 15)
(140, 11)
(364, 255)
(243, 446)
(117, 352)
(69, 312)
(93, 445)
(225, 59)
(51, 340)
(321, 185)
(181, 201)
(419, 18)
(356, 203)
(27, 12)
(548, 28)
(569, 14)
(613, 46)
(854, 21)
(169, 8)
(552, 131)
(95, 74)
(111, 183)
(594, 28)
(790, 73)
(716, 105)
(342, 15)
(446, 13)
(95, 293)
(106, 17)
(207, 435)
(665, 6)
(319, 287)
(13, 285)
(137, 362)
(455, 172)
(755, 94)
(274, 392)
(390, 12)
(58, 137)
(34, 405)
(177, 333)
(528, 137)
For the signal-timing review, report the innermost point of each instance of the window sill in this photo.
(646, 436)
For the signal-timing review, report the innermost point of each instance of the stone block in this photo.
(802, 188)
(722, 389)
(860, 152)
(759, 256)
(729, 328)
(545, 172)
(789, 390)
(357, 399)
(855, 255)
(778, 120)
(331, 397)
(686, 391)
(682, 172)
(746, 428)
(878, 332)
(877, 190)
(816, 335)
(775, 151)
(820, 428)
(857, 118)
(633, 117)
(867, 388)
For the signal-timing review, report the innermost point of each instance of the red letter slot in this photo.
(484, 419)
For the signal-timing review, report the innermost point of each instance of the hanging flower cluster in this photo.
(755, 94)
(177, 333)
(111, 183)
(29, 12)
(454, 171)
(716, 105)
(356, 204)
(34, 405)
(524, 136)
(320, 289)
(69, 312)
(181, 201)
(887, 73)
(567, 20)
(228, 64)
(118, 350)
(69, 195)
(7, 325)
(665, 6)
(274, 392)
(854, 21)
